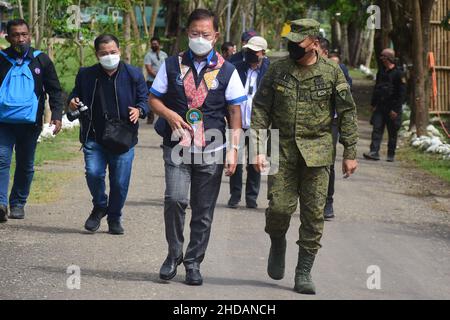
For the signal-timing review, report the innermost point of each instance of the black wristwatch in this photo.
(141, 112)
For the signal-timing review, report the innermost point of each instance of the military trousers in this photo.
(293, 183)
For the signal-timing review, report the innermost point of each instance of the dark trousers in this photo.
(335, 133)
(252, 184)
(23, 139)
(380, 120)
(204, 182)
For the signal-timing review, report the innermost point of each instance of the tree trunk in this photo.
(370, 48)
(19, 3)
(135, 27)
(426, 10)
(336, 34)
(144, 18)
(36, 21)
(31, 15)
(155, 10)
(127, 36)
(42, 20)
(419, 71)
(345, 54)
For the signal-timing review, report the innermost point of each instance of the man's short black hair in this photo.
(324, 43)
(155, 39)
(203, 14)
(14, 23)
(226, 46)
(105, 38)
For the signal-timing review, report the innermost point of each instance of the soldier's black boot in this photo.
(303, 280)
(277, 255)
(328, 212)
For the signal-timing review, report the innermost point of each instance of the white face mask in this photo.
(110, 62)
(200, 46)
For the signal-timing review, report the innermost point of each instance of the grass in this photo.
(47, 181)
(431, 163)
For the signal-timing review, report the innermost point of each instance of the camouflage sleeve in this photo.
(347, 117)
(262, 105)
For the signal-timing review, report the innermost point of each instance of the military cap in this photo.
(303, 28)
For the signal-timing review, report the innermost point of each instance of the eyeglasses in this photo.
(195, 35)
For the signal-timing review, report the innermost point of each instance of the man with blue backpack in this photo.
(26, 77)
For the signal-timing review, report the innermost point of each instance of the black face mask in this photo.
(251, 57)
(155, 48)
(295, 51)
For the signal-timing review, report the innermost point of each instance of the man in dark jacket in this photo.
(22, 136)
(120, 91)
(251, 71)
(387, 100)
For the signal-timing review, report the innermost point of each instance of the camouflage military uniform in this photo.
(297, 100)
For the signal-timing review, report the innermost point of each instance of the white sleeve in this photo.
(148, 59)
(235, 92)
(160, 84)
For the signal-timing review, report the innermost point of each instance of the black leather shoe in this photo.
(250, 205)
(3, 214)
(193, 277)
(372, 156)
(16, 213)
(233, 204)
(93, 222)
(169, 267)
(390, 158)
(115, 227)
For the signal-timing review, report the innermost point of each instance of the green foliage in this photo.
(428, 162)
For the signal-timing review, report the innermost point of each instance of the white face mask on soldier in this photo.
(200, 46)
(110, 61)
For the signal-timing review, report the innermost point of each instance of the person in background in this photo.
(17, 133)
(334, 56)
(251, 72)
(323, 50)
(111, 89)
(239, 56)
(387, 100)
(153, 61)
(228, 49)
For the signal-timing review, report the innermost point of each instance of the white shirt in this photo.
(234, 93)
(250, 88)
(151, 58)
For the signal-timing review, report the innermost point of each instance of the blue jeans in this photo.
(23, 139)
(97, 158)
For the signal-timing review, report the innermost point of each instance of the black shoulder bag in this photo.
(119, 133)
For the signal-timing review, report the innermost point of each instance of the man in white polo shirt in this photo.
(251, 71)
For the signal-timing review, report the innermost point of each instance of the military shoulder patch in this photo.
(342, 87)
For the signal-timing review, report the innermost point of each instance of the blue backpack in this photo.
(18, 101)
